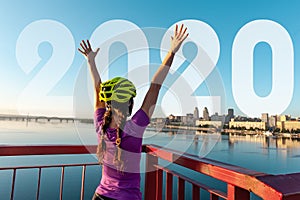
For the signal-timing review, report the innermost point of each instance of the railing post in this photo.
(150, 177)
(196, 192)
(61, 183)
(159, 180)
(213, 197)
(39, 183)
(180, 189)
(13, 184)
(236, 193)
(169, 186)
(82, 182)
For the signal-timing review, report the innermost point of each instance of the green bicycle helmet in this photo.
(117, 89)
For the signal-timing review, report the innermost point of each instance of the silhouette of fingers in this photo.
(89, 45)
(181, 27)
(84, 53)
(84, 44)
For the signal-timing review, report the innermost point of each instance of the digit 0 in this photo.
(137, 47)
(282, 68)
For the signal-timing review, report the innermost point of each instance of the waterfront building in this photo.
(178, 118)
(217, 124)
(171, 118)
(280, 125)
(246, 119)
(247, 124)
(217, 117)
(273, 121)
(158, 121)
(190, 119)
(283, 118)
(183, 120)
(288, 125)
(292, 125)
(265, 118)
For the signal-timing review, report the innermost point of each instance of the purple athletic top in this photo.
(124, 185)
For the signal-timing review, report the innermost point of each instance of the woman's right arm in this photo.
(90, 55)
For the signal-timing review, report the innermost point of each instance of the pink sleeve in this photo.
(98, 118)
(137, 125)
(140, 118)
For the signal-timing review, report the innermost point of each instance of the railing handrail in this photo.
(49, 166)
(264, 185)
(25, 150)
(165, 153)
(267, 186)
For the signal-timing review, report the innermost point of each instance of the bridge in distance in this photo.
(42, 118)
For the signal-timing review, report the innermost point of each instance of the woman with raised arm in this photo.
(120, 141)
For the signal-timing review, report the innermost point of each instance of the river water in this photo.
(263, 154)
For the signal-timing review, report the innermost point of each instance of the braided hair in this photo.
(102, 145)
(126, 109)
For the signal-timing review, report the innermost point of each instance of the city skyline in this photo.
(230, 112)
(5, 115)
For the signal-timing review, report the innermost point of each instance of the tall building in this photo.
(196, 113)
(205, 114)
(265, 118)
(273, 121)
(229, 116)
(231, 112)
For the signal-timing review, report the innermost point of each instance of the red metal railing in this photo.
(240, 181)
(40, 167)
(47, 150)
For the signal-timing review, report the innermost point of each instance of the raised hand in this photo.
(178, 38)
(90, 55)
(87, 51)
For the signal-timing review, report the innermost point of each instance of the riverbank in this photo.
(233, 132)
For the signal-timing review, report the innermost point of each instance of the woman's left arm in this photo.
(150, 99)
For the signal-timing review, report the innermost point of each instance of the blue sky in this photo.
(79, 19)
